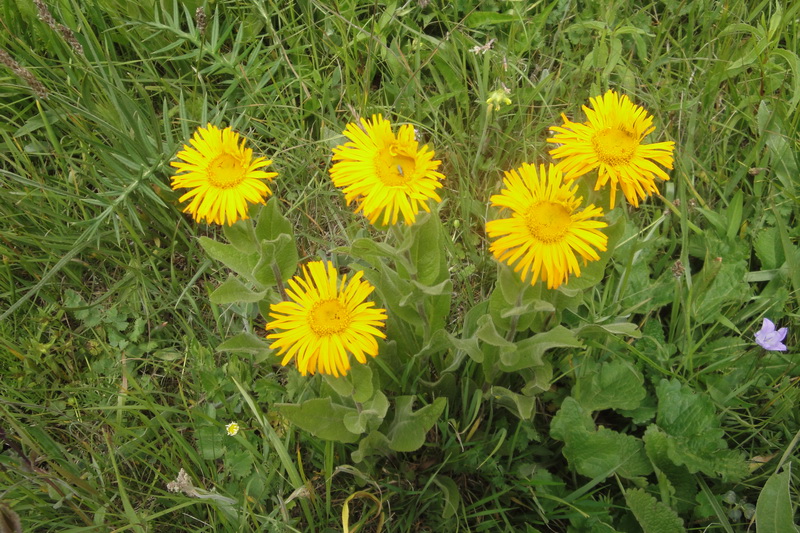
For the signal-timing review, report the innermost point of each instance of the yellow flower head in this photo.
(545, 230)
(387, 175)
(497, 99)
(326, 319)
(232, 429)
(222, 174)
(611, 142)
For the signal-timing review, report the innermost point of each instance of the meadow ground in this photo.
(633, 398)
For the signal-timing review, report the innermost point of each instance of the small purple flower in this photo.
(769, 338)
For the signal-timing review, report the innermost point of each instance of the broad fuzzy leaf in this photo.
(616, 385)
(408, 430)
(652, 515)
(695, 436)
(774, 512)
(321, 418)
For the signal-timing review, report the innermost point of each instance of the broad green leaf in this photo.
(234, 291)
(361, 376)
(529, 352)
(451, 493)
(615, 385)
(427, 250)
(241, 235)
(238, 463)
(271, 222)
(514, 289)
(521, 406)
(774, 513)
(370, 416)
(695, 437)
(240, 262)
(244, 342)
(599, 453)
(781, 154)
(210, 442)
(320, 417)
(408, 430)
(769, 249)
(488, 334)
(652, 515)
(605, 452)
(282, 252)
(676, 483)
(570, 419)
(375, 443)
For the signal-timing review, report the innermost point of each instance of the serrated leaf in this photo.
(675, 481)
(695, 437)
(599, 453)
(238, 463)
(408, 430)
(774, 506)
(234, 291)
(320, 417)
(605, 452)
(614, 385)
(652, 515)
(570, 419)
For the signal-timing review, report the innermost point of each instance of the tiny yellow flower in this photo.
(232, 428)
(497, 99)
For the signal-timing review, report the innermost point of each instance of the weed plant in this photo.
(120, 368)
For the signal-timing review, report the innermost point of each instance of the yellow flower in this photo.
(326, 319)
(611, 142)
(232, 428)
(387, 175)
(497, 99)
(222, 174)
(545, 230)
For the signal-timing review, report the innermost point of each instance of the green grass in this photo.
(111, 382)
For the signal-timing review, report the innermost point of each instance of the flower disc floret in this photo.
(386, 175)
(546, 228)
(325, 319)
(222, 175)
(610, 141)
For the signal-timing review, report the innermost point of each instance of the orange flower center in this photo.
(614, 146)
(548, 222)
(328, 318)
(395, 166)
(225, 171)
